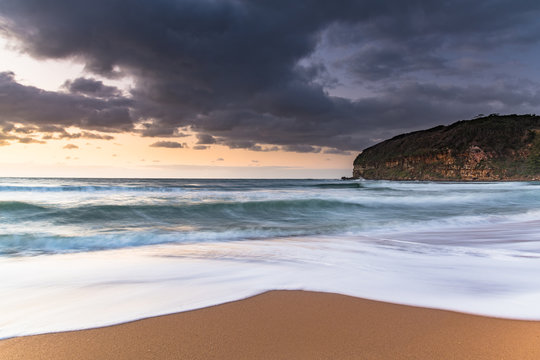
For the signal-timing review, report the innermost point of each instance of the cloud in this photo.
(155, 129)
(264, 76)
(336, 151)
(55, 134)
(200, 147)
(302, 148)
(29, 140)
(70, 147)
(31, 106)
(205, 139)
(168, 144)
(91, 87)
(89, 135)
(388, 60)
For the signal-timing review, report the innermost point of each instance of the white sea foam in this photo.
(74, 291)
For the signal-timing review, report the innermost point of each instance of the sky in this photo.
(234, 88)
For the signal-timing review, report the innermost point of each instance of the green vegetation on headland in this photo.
(494, 147)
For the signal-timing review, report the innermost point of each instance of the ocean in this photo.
(81, 253)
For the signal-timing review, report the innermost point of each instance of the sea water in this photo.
(80, 253)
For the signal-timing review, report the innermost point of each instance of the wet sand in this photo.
(293, 325)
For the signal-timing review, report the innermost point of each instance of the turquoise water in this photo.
(46, 216)
(80, 253)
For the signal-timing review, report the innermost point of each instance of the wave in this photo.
(212, 210)
(68, 188)
(78, 215)
(263, 207)
(179, 186)
(17, 206)
(110, 227)
(336, 185)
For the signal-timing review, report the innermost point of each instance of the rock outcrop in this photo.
(491, 148)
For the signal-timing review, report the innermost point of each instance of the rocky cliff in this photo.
(495, 147)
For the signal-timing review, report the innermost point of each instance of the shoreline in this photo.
(468, 181)
(292, 324)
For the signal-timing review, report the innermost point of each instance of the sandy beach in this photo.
(293, 325)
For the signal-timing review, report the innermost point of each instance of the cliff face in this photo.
(484, 149)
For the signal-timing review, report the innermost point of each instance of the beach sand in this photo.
(293, 325)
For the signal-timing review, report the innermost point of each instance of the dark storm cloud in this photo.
(427, 37)
(382, 61)
(35, 107)
(257, 74)
(91, 87)
(168, 144)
